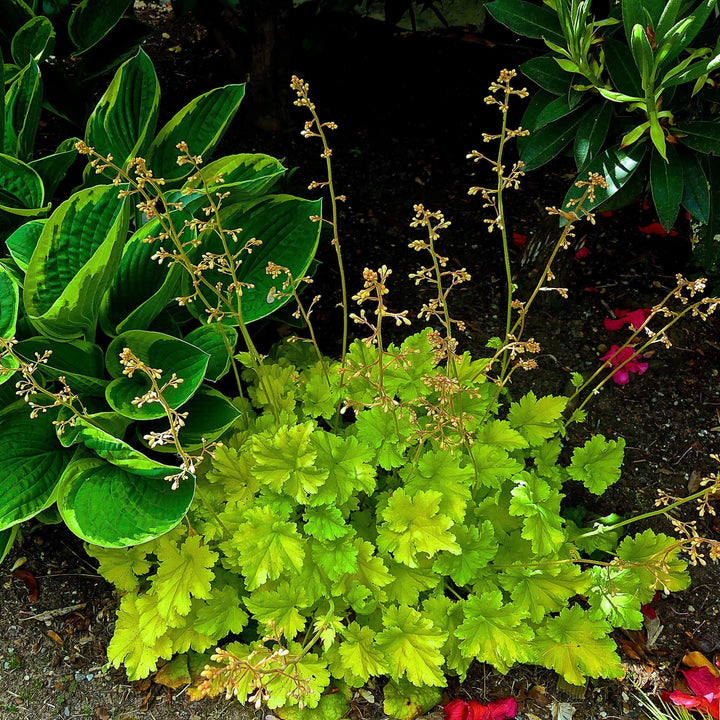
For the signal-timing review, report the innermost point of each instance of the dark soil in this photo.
(409, 109)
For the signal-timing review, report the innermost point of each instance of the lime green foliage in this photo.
(407, 562)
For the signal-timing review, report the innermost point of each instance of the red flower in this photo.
(655, 228)
(582, 253)
(518, 240)
(474, 710)
(624, 317)
(626, 358)
(705, 687)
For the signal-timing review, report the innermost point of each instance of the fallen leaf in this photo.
(562, 710)
(694, 481)
(54, 637)
(28, 579)
(697, 659)
(654, 629)
(100, 713)
(539, 695)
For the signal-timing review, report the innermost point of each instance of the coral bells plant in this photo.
(395, 512)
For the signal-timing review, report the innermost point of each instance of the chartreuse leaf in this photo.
(289, 238)
(494, 465)
(359, 657)
(543, 590)
(127, 647)
(221, 614)
(122, 566)
(537, 419)
(666, 182)
(576, 647)
(22, 242)
(74, 261)
(403, 700)
(500, 434)
(31, 463)
(615, 596)
(379, 430)
(267, 547)
(413, 525)
(411, 645)
(7, 538)
(9, 304)
(371, 572)
(125, 117)
(334, 557)
(447, 615)
(201, 123)
(654, 557)
(408, 583)
(278, 608)
(333, 705)
(494, 631)
(597, 463)
(478, 547)
(141, 287)
(161, 352)
(138, 508)
(285, 459)
(325, 523)
(184, 572)
(34, 40)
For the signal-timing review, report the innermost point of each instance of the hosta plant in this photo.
(90, 326)
(395, 512)
(635, 95)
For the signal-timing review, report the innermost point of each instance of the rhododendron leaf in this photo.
(537, 419)
(478, 547)
(494, 632)
(285, 460)
(122, 566)
(405, 701)
(543, 590)
(268, 547)
(278, 608)
(411, 645)
(597, 463)
(359, 653)
(666, 183)
(576, 647)
(614, 596)
(655, 559)
(415, 525)
(349, 467)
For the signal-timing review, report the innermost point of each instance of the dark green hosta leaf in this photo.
(7, 538)
(666, 183)
(125, 117)
(210, 414)
(161, 352)
(7, 394)
(546, 73)
(53, 168)
(81, 362)
(22, 242)
(616, 166)
(591, 133)
(31, 463)
(21, 189)
(35, 40)
(201, 123)
(106, 442)
(14, 14)
(22, 112)
(108, 506)
(696, 194)
(9, 303)
(700, 135)
(524, 18)
(245, 176)
(289, 238)
(141, 287)
(544, 144)
(74, 262)
(210, 339)
(91, 20)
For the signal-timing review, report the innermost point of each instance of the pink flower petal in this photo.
(518, 239)
(503, 709)
(582, 253)
(648, 612)
(457, 710)
(702, 682)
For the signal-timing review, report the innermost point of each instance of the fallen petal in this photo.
(457, 710)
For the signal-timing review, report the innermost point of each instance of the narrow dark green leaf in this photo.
(524, 18)
(700, 135)
(616, 166)
(9, 304)
(35, 40)
(591, 133)
(31, 463)
(201, 123)
(135, 509)
(91, 20)
(554, 110)
(544, 144)
(546, 73)
(161, 352)
(708, 248)
(7, 538)
(696, 193)
(537, 103)
(699, 15)
(622, 69)
(210, 339)
(53, 168)
(632, 14)
(666, 183)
